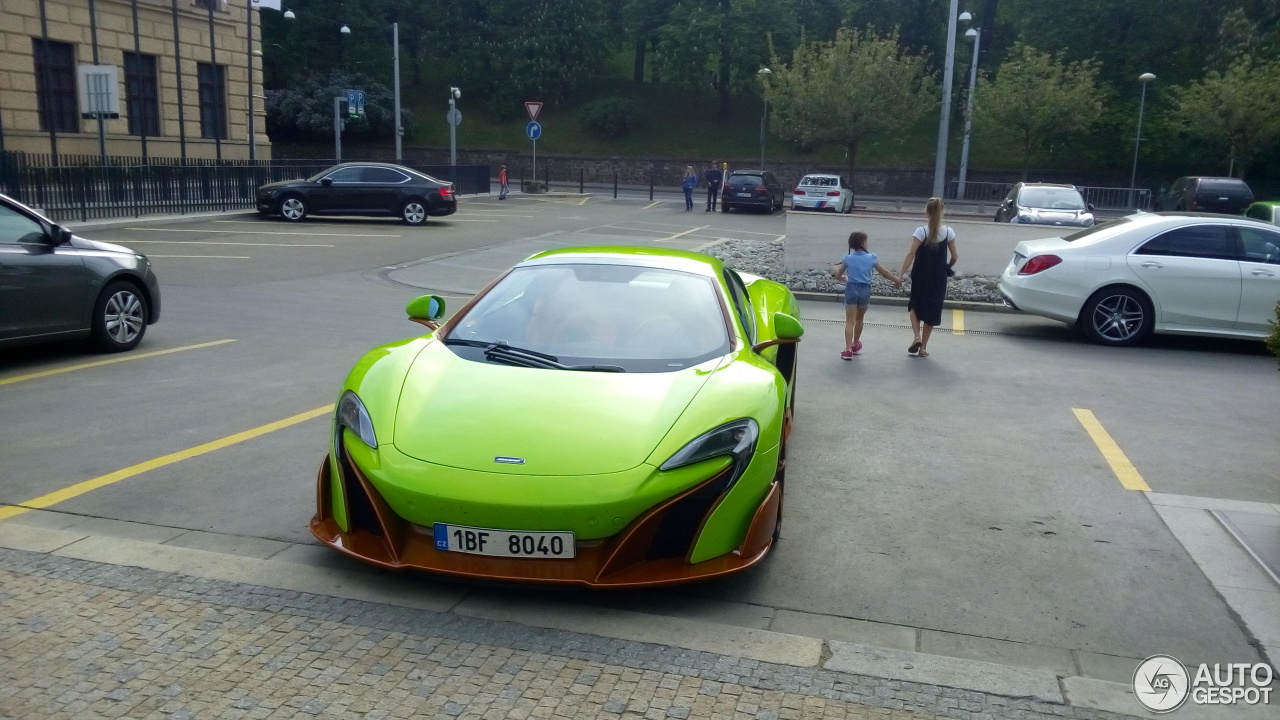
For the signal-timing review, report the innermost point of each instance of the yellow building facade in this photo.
(162, 88)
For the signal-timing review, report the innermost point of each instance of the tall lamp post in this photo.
(974, 34)
(944, 120)
(763, 74)
(454, 117)
(395, 40)
(1144, 78)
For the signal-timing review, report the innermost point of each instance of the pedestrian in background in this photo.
(928, 263)
(503, 186)
(715, 176)
(690, 182)
(855, 273)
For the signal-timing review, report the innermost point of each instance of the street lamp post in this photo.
(763, 74)
(1144, 78)
(395, 40)
(944, 120)
(454, 94)
(976, 35)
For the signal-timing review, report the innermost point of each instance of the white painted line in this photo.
(450, 218)
(946, 671)
(204, 257)
(215, 242)
(259, 232)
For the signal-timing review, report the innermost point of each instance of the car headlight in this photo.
(736, 439)
(1086, 220)
(352, 415)
(1025, 217)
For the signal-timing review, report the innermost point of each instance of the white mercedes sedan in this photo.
(1183, 273)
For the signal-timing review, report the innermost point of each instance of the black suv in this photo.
(752, 188)
(1224, 195)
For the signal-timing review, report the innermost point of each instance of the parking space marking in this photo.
(81, 488)
(260, 232)
(203, 257)
(112, 361)
(957, 322)
(655, 202)
(680, 234)
(218, 242)
(1125, 472)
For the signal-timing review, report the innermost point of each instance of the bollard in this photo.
(615, 184)
(580, 176)
(650, 187)
(546, 174)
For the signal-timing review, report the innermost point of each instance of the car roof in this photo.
(665, 258)
(1049, 185)
(1271, 203)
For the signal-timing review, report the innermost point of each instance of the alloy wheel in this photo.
(293, 209)
(414, 213)
(123, 317)
(1118, 318)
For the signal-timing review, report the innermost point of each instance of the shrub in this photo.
(533, 186)
(609, 118)
(1273, 340)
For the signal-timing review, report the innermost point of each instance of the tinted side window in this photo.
(1262, 246)
(382, 175)
(1259, 212)
(741, 303)
(18, 228)
(346, 175)
(1198, 241)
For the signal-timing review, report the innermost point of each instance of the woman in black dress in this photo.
(932, 253)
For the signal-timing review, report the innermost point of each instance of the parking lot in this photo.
(957, 505)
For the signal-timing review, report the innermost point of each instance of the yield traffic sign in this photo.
(533, 108)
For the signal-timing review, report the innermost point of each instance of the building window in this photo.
(219, 5)
(213, 100)
(140, 94)
(56, 85)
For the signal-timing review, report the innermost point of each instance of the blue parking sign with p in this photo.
(355, 102)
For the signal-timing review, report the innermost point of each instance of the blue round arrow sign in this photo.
(533, 130)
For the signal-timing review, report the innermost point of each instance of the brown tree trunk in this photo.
(723, 109)
(851, 149)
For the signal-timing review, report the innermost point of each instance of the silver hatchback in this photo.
(55, 285)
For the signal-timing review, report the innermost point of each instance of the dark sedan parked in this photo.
(1225, 195)
(753, 188)
(57, 286)
(360, 189)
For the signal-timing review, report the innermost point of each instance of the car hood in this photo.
(465, 414)
(87, 244)
(281, 185)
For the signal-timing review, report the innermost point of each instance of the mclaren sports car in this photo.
(601, 417)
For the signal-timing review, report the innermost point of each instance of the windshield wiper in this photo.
(597, 368)
(510, 355)
(467, 343)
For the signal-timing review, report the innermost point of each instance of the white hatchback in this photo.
(823, 192)
(1184, 273)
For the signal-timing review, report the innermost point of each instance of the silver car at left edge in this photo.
(55, 285)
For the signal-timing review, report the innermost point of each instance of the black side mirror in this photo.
(60, 235)
(326, 181)
(1090, 205)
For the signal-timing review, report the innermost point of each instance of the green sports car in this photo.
(602, 416)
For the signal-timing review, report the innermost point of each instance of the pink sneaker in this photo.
(857, 348)
(846, 355)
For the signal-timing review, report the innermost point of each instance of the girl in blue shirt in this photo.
(855, 271)
(690, 182)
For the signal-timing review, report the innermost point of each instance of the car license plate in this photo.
(744, 194)
(817, 194)
(503, 543)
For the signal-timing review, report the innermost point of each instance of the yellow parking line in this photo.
(81, 488)
(679, 234)
(957, 322)
(260, 232)
(112, 361)
(655, 202)
(1125, 472)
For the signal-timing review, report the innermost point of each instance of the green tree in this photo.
(1036, 98)
(841, 91)
(304, 110)
(1237, 110)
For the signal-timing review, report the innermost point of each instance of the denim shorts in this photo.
(858, 294)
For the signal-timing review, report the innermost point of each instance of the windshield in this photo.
(1051, 198)
(745, 180)
(1107, 225)
(820, 181)
(322, 173)
(638, 319)
(1224, 187)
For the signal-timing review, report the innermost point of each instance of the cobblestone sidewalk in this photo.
(84, 640)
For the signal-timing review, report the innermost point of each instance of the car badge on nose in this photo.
(509, 460)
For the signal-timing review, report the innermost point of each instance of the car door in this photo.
(43, 287)
(1259, 278)
(1193, 275)
(383, 188)
(1008, 208)
(339, 195)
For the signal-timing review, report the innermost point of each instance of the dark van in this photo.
(1224, 195)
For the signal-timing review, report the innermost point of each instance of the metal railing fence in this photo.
(82, 188)
(1102, 198)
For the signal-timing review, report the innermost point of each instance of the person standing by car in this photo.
(715, 177)
(927, 261)
(503, 183)
(855, 272)
(690, 182)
